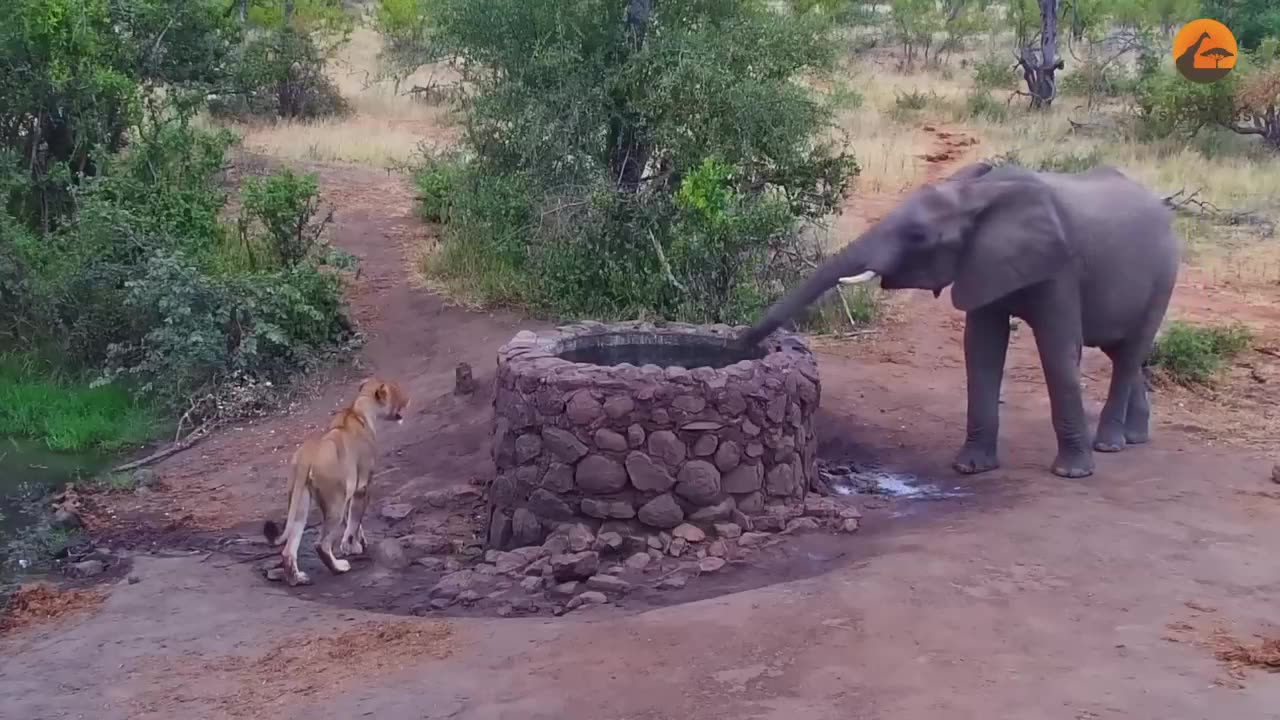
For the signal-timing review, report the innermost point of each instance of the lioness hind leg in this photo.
(295, 525)
(330, 533)
(353, 538)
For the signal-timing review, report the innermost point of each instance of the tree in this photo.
(1040, 63)
(634, 157)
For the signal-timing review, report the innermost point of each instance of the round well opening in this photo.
(664, 350)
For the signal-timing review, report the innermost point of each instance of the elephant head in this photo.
(985, 231)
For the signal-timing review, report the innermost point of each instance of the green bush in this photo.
(1193, 354)
(281, 73)
(980, 104)
(1168, 104)
(609, 176)
(993, 72)
(1071, 162)
(283, 207)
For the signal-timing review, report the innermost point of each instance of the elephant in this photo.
(1084, 259)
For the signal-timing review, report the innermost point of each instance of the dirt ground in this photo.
(1030, 596)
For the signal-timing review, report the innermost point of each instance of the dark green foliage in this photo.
(1168, 104)
(280, 73)
(980, 104)
(1193, 354)
(113, 256)
(994, 72)
(1251, 21)
(582, 139)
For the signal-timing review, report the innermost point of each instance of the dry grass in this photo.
(387, 127)
(299, 666)
(38, 604)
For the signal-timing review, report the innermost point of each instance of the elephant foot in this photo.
(972, 460)
(1073, 464)
(1110, 442)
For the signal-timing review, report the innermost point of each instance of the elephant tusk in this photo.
(859, 278)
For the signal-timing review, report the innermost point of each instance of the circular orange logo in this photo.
(1204, 50)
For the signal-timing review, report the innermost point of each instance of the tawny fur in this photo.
(333, 467)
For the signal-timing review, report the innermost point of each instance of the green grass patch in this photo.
(41, 403)
(1193, 354)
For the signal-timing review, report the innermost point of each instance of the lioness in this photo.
(334, 467)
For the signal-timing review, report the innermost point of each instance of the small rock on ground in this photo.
(851, 525)
(710, 564)
(86, 569)
(608, 583)
(639, 561)
(752, 539)
(729, 531)
(689, 533)
(591, 597)
(802, 524)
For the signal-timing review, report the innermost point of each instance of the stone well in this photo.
(648, 427)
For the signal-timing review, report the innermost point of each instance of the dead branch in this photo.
(196, 436)
(1189, 203)
(666, 267)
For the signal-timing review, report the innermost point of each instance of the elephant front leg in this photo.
(986, 342)
(1059, 346)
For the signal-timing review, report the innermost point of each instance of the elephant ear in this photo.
(1014, 238)
(970, 171)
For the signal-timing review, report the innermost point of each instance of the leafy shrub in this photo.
(193, 330)
(993, 73)
(911, 101)
(437, 183)
(1192, 354)
(1097, 80)
(1167, 104)
(284, 206)
(614, 176)
(980, 104)
(281, 73)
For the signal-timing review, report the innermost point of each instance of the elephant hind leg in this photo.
(1126, 364)
(1137, 420)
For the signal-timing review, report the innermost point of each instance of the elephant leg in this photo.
(1137, 419)
(1058, 341)
(1126, 365)
(986, 341)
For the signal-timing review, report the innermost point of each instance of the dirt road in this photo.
(1029, 597)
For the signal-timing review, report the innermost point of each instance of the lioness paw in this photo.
(341, 565)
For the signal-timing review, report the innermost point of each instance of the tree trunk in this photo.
(629, 148)
(288, 11)
(244, 11)
(1039, 65)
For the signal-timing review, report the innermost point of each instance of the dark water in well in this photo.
(28, 470)
(664, 351)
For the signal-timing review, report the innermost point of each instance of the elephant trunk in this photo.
(845, 268)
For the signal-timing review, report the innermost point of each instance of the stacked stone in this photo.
(653, 446)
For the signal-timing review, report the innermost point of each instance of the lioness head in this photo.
(391, 400)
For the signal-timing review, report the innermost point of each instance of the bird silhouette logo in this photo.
(1204, 51)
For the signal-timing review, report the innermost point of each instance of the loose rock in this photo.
(752, 539)
(452, 584)
(565, 589)
(532, 584)
(728, 531)
(608, 541)
(429, 543)
(575, 566)
(525, 527)
(677, 547)
(639, 561)
(689, 533)
(591, 597)
(850, 525)
(802, 524)
(579, 536)
(717, 548)
(710, 564)
(608, 583)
